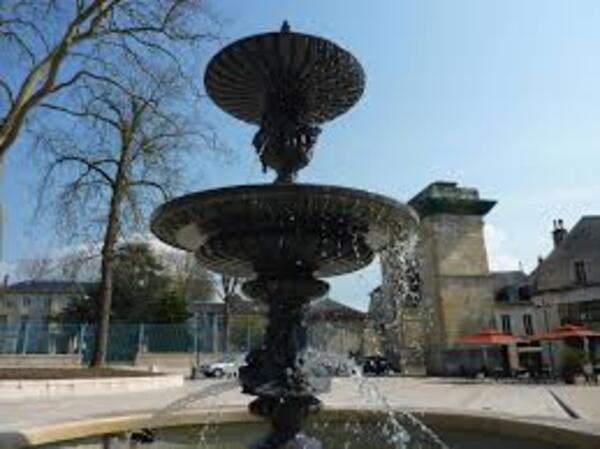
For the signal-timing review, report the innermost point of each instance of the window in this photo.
(528, 324)
(26, 302)
(580, 273)
(3, 321)
(506, 327)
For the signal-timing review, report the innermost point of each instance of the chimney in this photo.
(559, 232)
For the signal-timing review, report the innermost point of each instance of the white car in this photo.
(227, 367)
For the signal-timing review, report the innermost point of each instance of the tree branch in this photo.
(152, 184)
(81, 114)
(90, 165)
(8, 91)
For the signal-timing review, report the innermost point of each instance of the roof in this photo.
(241, 306)
(329, 309)
(51, 287)
(511, 286)
(504, 278)
(582, 243)
(443, 197)
(321, 309)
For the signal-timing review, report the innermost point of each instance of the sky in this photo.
(503, 96)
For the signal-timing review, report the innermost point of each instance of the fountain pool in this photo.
(336, 429)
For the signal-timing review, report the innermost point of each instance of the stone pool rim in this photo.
(575, 434)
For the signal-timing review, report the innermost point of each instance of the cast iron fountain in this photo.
(283, 237)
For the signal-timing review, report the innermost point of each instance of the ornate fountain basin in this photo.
(348, 429)
(269, 229)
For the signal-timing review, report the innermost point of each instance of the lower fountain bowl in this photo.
(333, 429)
(274, 228)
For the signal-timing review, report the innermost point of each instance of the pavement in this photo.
(537, 402)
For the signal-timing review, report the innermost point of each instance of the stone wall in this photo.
(454, 244)
(467, 303)
(457, 284)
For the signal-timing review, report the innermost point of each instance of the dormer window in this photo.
(580, 272)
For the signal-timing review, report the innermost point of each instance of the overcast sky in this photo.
(500, 95)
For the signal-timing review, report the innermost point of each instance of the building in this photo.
(459, 294)
(566, 284)
(335, 327)
(332, 326)
(26, 309)
(569, 277)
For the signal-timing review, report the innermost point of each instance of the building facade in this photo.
(566, 284)
(332, 326)
(26, 311)
(460, 295)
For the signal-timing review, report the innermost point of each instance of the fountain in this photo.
(286, 236)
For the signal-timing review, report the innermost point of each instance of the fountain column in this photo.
(278, 373)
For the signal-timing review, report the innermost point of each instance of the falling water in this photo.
(212, 390)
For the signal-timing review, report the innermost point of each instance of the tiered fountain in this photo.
(283, 237)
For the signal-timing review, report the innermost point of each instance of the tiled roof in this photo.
(582, 242)
(322, 309)
(51, 287)
(329, 309)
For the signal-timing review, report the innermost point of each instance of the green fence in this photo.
(126, 340)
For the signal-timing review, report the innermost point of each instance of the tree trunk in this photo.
(103, 320)
(226, 325)
(108, 253)
(106, 282)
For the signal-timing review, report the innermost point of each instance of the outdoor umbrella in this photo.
(570, 331)
(488, 337)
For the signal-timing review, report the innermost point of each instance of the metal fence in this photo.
(126, 340)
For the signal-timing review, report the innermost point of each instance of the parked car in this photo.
(338, 368)
(377, 365)
(229, 367)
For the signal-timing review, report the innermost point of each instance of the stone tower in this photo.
(454, 265)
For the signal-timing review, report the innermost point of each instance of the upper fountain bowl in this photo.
(286, 73)
(289, 228)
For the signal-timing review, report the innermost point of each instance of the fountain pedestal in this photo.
(279, 373)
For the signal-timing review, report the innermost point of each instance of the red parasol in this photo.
(489, 337)
(568, 331)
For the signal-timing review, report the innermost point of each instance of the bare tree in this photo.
(197, 283)
(49, 47)
(35, 269)
(111, 164)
